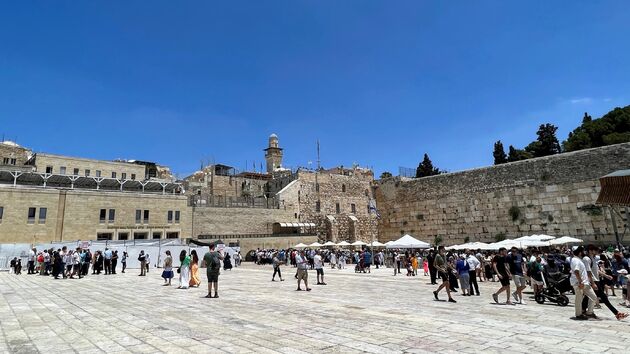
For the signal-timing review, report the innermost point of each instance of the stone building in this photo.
(336, 201)
(12, 154)
(74, 166)
(273, 154)
(554, 195)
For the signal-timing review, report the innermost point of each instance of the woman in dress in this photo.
(184, 270)
(194, 269)
(227, 262)
(167, 274)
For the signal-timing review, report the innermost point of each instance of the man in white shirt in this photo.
(473, 266)
(319, 268)
(31, 261)
(581, 285)
(107, 256)
(302, 270)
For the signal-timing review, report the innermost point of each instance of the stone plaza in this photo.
(376, 313)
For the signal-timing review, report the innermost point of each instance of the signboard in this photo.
(84, 244)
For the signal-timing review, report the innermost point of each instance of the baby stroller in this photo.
(555, 285)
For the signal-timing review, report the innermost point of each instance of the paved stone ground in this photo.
(354, 313)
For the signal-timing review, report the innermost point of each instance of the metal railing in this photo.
(215, 201)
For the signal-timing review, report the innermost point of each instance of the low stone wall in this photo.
(219, 221)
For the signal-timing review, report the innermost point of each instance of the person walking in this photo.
(463, 270)
(212, 260)
(581, 285)
(302, 270)
(474, 266)
(319, 268)
(143, 267)
(107, 257)
(124, 261)
(442, 268)
(432, 270)
(114, 262)
(518, 269)
(276, 267)
(148, 261)
(502, 271)
(597, 277)
(167, 273)
(32, 254)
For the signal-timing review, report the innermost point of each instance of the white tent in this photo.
(343, 243)
(535, 238)
(388, 243)
(469, 245)
(329, 243)
(408, 241)
(377, 244)
(315, 244)
(358, 243)
(300, 245)
(564, 240)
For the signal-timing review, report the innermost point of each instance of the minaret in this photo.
(273, 154)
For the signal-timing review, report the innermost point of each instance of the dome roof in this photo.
(273, 136)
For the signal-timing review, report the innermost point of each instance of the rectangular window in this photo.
(1, 213)
(42, 215)
(31, 215)
(87, 173)
(139, 235)
(113, 174)
(157, 235)
(177, 216)
(146, 217)
(13, 161)
(102, 236)
(318, 206)
(49, 169)
(138, 216)
(98, 173)
(169, 217)
(133, 176)
(172, 235)
(123, 175)
(76, 172)
(5, 161)
(337, 208)
(101, 217)
(112, 215)
(62, 170)
(353, 208)
(123, 236)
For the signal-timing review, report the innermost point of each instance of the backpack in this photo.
(214, 261)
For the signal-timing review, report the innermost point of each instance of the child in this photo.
(623, 276)
(425, 266)
(414, 265)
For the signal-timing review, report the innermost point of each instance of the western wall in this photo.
(554, 195)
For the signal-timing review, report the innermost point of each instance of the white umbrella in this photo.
(377, 244)
(300, 245)
(343, 243)
(535, 238)
(358, 243)
(565, 239)
(315, 244)
(329, 243)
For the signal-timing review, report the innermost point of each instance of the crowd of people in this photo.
(594, 274)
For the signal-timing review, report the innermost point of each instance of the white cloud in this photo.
(581, 100)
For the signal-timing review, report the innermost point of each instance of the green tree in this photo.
(425, 168)
(386, 175)
(612, 128)
(499, 153)
(547, 142)
(515, 154)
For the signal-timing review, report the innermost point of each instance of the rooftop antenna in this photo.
(318, 161)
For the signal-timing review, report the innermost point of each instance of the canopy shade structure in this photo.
(535, 238)
(388, 243)
(517, 243)
(315, 244)
(358, 243)
(300, 245)
(296, 224)
(615, 189)
(408, 241)
(469, 245)
(329, 243)
(343, 243)
(377, 244)
(564, 240)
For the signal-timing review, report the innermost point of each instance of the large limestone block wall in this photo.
(229, 221)
(14, 226)
(554, 195)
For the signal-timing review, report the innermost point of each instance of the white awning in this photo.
(296, 224)
(330, 218)
(353, 218)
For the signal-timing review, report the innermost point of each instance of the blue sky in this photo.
(379, 83)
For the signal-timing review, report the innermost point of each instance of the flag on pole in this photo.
(372, 208)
